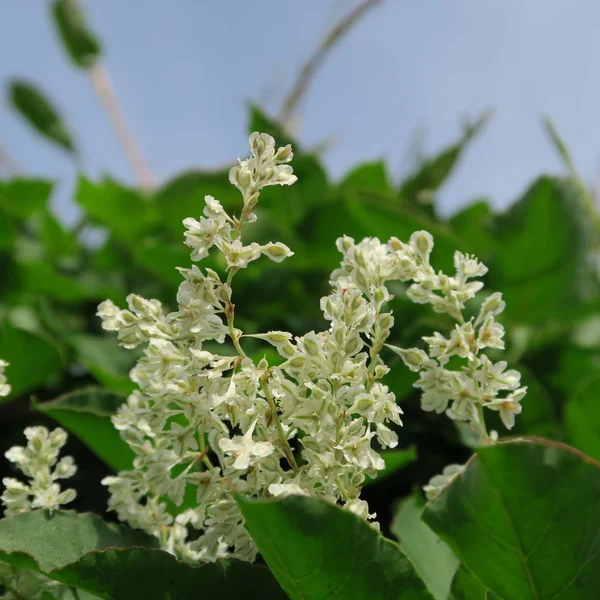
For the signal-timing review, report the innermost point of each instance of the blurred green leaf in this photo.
(41, 278)
(8, 230)
(261, 122)
(108, 362)
(574, 367)
(540, 416)
(57, 240)
(162, 259)
(472, 225)
(20, 198)
(582, 416)
(523, 519)
(368, 177)
(559, 145)
(433, 560)
(33, 359)
(320, 551)
(40, 113)
(79, 41)
(434, 171)
(125, 212)
(183, 197)
(540, 260)
(287, 206)
(395, 460)
(87, 414)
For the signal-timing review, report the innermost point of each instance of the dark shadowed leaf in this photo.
(524, 518)
(319, 551)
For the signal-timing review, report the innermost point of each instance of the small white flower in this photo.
(4, 386)
(244, 449)
(287, 489)
(440, 482)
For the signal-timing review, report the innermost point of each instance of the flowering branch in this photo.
(217, 423)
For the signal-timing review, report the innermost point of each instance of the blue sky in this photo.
(184, 71)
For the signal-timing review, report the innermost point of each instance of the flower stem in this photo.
(287, 449)
(230, 314)
(204, 454)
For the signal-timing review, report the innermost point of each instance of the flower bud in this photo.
(284, 154)
(422, 242)
(413, 358)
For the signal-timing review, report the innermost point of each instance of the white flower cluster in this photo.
(472, 382)
(4, 386)
(39, 462)
(206, 423)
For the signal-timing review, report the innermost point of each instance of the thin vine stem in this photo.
(307, 73)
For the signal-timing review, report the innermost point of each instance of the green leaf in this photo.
(108, 362)
(183, 197)
(8, 230)
(125, 212)
(472, 224)
(20, 198)
(540, 254)
(523, 518)
(318, 551)
(156, 575)
(87, 414)
(261, 122)
(162, 259)
(466, 587)
(540, 416)
(41, 278)
(559, 145)
(40, 113)
(368, 177)
(433, 560)
(118, 563)
(395, 460)
(434, 171)
(582, 417)
(45, 542)
(33, 360)
(57, 240)
(80, 42)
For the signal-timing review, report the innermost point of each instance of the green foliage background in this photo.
(542, 254)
